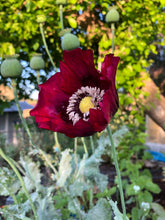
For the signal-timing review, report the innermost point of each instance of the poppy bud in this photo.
(112, 16)
(11, 67)
(61, 2)
(37, 62)
(41, 18)
(70, 42)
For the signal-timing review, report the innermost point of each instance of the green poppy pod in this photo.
(41, 18)
(37, 62)
(112, 16)
(11, 67)
(70, 42)
(61, 2)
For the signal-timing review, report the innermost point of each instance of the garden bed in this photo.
(156, 169)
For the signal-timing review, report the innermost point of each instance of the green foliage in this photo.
(117, 213)
(140, 21)
(64, 168)
(7, 177)
(101, 210)
(70, 192)
(138, 185)
(159, 210)
(33, 175)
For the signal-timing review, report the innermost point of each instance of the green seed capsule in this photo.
(41, 18)
(61, 2)
(112, 16)
(11, 67)
(37, 62)
(70, 42)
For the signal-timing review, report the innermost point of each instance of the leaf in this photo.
(65, 168)
(117, 213)
(89, 169)
(36, 46)
(33, 175)
(17, 211)
(158, 209)
(45, 209)
(9, 183)
(101, 211)
(75, 207)
(149, 185)
(104, 141)
(78, 187)
(118, 135)
(72, 22)
(134, 213)
(145, 197)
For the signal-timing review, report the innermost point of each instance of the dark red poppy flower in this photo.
(79, 100)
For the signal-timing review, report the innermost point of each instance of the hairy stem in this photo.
(113, 37)
(46, 47)
(92, 144)
(38, 76)
(13, 82)
(61, 17)
(118, 172)
(9, 161)
(57, 144)
(75, 154)
(85, 147)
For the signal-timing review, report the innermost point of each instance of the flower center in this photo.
(86, 104)
(81, 101)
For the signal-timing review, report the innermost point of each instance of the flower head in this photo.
(145, 206)
(136, 188)
(79, 100)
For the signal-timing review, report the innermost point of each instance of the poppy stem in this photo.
(113, 37)
(57, 144)
(75, 154)
(51, 60)
(38, 76)
(118, 172)
(84, 145)
(61, 17)
(46, 158)
(9, 161)
(92, 144)
(46, 47)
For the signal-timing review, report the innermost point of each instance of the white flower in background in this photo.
(136, 188)
(145, 206)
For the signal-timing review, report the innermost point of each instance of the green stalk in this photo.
(13, 82)
(57, 144)
(9, 161)
(75, 154)
(113, 36)
(92, 144)
(118, 172)
(61, 17)
(84, 145)
(46, 47)
(38, 76)
(91, 198)
(51, 60)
